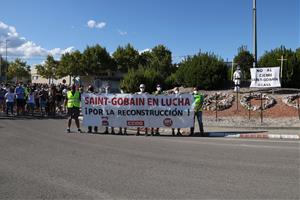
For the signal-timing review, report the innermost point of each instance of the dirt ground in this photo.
(280, 110)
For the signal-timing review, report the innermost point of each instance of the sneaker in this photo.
(79, 130)
(68, 130)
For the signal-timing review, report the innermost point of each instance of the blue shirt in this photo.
(20, 92)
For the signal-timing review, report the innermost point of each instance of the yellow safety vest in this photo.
(198, 102)
(73, 100)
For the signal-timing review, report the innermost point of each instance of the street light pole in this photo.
(1, 67)
(6, 64)
(254, 35)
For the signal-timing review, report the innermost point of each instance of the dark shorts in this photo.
(30, 106)
(73, 113)
(20, 103)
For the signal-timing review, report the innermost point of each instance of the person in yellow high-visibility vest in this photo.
(198, 108)
(72, 102)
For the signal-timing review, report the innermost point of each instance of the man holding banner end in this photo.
(198, 107)
(142, 91)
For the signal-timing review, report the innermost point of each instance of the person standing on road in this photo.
(10, 99)
(2, 94)
(176, 92)
(30, 102)
(142, 91)
(20, 98)
(72, 103)
(92, 91)
(198, 107)
(107, 91)
(157, 92)
(120, 128)
(43, 95)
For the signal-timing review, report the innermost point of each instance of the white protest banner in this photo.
(137, 110)
(265, 77)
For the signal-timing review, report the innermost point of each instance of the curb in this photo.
(255, 127)
(260, 136)
(247, 135)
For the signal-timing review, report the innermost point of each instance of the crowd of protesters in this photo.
(32, 99)
(51, 100)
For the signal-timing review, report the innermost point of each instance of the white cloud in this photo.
(123, 33)
(93, 24)
(101, 25)
(21, 47)
(145, 50)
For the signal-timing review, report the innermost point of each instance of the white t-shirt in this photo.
(10, 97)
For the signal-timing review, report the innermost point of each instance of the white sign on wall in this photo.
(265, 77)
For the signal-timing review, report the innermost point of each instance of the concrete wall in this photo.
(36, 78)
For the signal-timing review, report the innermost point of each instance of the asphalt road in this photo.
(38, 160)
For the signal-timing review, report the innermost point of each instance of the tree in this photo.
(126, 58)
(245, 60)
(145, 58)
(148, 76)
(152, 77)
(171, 81)
(204, 70)
(132, 80)
(160, 59)
(49, 69)
(18, 69)
(71, 64)
(290, 71)
(96, 60)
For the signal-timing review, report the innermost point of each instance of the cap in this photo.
(142, 86)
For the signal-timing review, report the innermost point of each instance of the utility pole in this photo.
(1, 67)
(281, 65)
(6, 64)
(254, 35)
(232, 66)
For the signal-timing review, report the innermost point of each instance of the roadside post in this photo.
(249, 109)
(298, 105)
(261, 108)
(237, 100)
(216, 106)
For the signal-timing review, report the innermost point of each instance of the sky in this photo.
(36, 28)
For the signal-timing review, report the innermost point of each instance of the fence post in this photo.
(216, 106)
(261, 108)
(249, 106)
(237, 99)
(298, 105)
